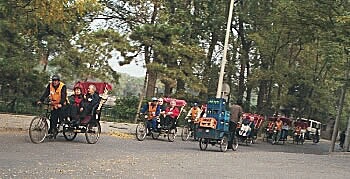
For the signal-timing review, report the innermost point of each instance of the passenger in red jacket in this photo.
(171, 113)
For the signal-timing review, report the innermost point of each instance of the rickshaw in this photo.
(90, 125)
(248, 129)
(191, 126)
(299, 132)
(214, 128)
(142, 128)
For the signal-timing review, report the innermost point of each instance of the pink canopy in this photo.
(100, 86)
(179, 102)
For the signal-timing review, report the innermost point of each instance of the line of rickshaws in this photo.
(213, 128)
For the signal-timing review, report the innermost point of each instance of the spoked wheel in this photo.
(224, 144)
(38, 129)
(185, 134)
(203, 143)
(248, 141)
(68, 133)
(155, 135)
(171, 135)
(254, 139)
(141, 131)
(234, 144)
(92, 133)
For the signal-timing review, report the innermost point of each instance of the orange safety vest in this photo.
(194, 112)
(279, 125)
(55, 94)
(151, 110)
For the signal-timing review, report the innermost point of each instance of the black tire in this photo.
(171, 135)
(38, 129)
(203, 144)
(234, 144)
(141, 131)
(155, 135)
(68, 133)
(224, 144)
(185, 134)
(92, 133)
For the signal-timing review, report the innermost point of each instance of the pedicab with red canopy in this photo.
(254, 121)
(90, 125)
(299, 132)
(271, 131)
(169, 131)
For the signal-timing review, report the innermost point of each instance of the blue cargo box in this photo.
(216, 104)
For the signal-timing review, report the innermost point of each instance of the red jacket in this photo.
(175, 111)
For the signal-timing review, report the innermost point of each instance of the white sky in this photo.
(133, 69)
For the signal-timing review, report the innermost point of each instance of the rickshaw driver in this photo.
(57, 91)
(236, 112)
(278, 128)
(153, 110)
(195, 112)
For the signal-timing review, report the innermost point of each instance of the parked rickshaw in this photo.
(90, 125)
(142, 128)
(214, 128)
(299, 132)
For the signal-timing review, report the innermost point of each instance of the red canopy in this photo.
(258, 120)
(179, 102)
(100, 86)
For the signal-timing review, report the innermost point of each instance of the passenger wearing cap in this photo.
(57, 92)
(152, 110)
(75, 104)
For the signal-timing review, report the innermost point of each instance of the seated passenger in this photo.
(91, 100)
(75, 104)
(152, 110)
(171, 113)
(162, 109)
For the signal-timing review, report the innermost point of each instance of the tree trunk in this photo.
(141, 98)
(151, 84)
(339, 112)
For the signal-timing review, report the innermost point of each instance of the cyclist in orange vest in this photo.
(278, 126)
(194, 112)
(152, 110)
(57, 92)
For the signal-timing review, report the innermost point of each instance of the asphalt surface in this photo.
(122, 157)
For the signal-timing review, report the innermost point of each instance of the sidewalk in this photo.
(22, 122)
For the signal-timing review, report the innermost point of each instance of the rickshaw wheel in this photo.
(155, 135)
(234, 144)
(141, 131)
(185, 134)
(92, 133)
(171, 135)
(38, 129)
(203, 143)
(224, 144)
(68, 133)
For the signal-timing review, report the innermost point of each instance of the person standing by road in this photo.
(236, 112)
(57, 91)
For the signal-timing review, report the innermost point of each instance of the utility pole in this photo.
(347, 137)
(223, 62)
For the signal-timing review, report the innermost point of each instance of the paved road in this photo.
(129, 158)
